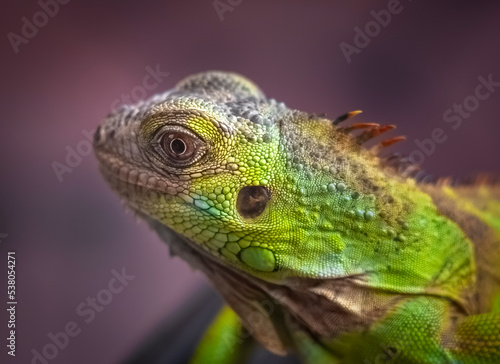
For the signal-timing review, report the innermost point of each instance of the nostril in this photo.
(252, 200)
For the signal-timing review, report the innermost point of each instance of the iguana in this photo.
(321, 247)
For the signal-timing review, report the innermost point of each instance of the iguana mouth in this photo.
(133, 178)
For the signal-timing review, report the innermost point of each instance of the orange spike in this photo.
(373, 132)
(391, 141)
(346, 116)
(356, 126)
(384, 128)
(444, 181)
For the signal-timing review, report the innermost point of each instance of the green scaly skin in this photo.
(319, 247)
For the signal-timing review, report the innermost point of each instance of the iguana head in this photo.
(261, 188)
(274, 203)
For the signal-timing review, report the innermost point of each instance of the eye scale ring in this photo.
(180, 147)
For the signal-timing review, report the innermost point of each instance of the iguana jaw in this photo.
(321, 309)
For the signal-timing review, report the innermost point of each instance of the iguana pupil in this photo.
(178, 146)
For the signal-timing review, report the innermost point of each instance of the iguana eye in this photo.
(182, 148)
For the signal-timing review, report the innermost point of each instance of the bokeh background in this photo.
(69, 235)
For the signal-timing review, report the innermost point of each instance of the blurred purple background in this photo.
(69, 235)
